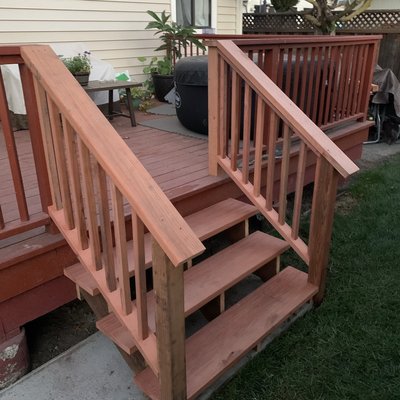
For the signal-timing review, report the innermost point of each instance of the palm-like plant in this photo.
(175, 37)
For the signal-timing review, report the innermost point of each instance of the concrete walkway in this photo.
(91, 370)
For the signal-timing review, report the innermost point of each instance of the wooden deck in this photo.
(178, 164)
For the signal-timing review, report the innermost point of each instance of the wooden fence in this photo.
(385, 22)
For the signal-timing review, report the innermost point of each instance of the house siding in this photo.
(228, 17)
(112, 29)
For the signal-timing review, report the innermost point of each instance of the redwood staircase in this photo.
(218, 345)
(119, 223)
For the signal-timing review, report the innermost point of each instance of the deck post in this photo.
(213, 110)
(170, 325)
(323, 209)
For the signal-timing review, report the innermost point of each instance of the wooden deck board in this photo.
(178, 163)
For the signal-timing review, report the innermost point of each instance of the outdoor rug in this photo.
(172, 124)
(163, 109)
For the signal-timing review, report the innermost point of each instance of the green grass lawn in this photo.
(349, 347)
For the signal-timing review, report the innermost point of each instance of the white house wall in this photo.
(112, 29)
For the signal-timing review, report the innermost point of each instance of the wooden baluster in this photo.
(363, 73)
(48, 144)
(298, 198)
(246, 133)
(358, 85)
(281, 65)
(322, 211)
(259, 139)
(36, 136)
(310, 93)
(372, 55)
(296, 76)
(333, 66)
(304, 77)
(140, 275)
(343, 84)
(223, 107)
(90, 205)
(317, 87)
(2, 224)
(214, 124)
(58, 139)
(271, 70)
(12, 154)
(76, 192)
(288, 83)
(235, 119)
(273, 125)
(170, 325)
(284, 174)
(121, 250)
(105, 229)
(338, 64)
(260, 59)
(352, 81)
(324, 94)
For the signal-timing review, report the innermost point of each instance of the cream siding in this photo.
(112, 29)
(229, 15)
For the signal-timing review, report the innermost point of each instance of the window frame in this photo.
(212, 16)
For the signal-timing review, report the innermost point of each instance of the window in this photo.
(196, 13)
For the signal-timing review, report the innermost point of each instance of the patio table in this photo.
(97, 86)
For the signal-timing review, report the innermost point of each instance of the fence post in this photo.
(323, 209)
(170, 325)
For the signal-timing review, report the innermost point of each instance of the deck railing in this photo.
(95, 178)
(328, 78)
(25, 219)
(265, 143)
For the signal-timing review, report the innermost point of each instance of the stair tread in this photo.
(113, 329)
(210, 278)
(205, 224)
(80, 276)
(222, 342)
(213, 276)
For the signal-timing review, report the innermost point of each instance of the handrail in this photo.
(314, 137)
(252, 39)
(150, 203)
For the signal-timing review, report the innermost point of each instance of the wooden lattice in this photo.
(371, 21)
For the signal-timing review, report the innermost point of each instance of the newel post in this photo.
(323, 209)
(170, 325)
(214, 117)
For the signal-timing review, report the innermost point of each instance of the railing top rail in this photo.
(317, 140)
(10, 50)
(298, 39)
(150, 203)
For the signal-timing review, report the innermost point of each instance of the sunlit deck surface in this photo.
(178, 164)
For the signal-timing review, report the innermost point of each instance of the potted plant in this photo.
(174, 39)
(79, 66)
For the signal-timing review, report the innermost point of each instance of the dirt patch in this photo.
(345, 202)
(59, 330)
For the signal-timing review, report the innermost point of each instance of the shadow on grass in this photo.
(349, 347)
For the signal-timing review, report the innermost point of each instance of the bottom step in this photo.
(221, 343)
